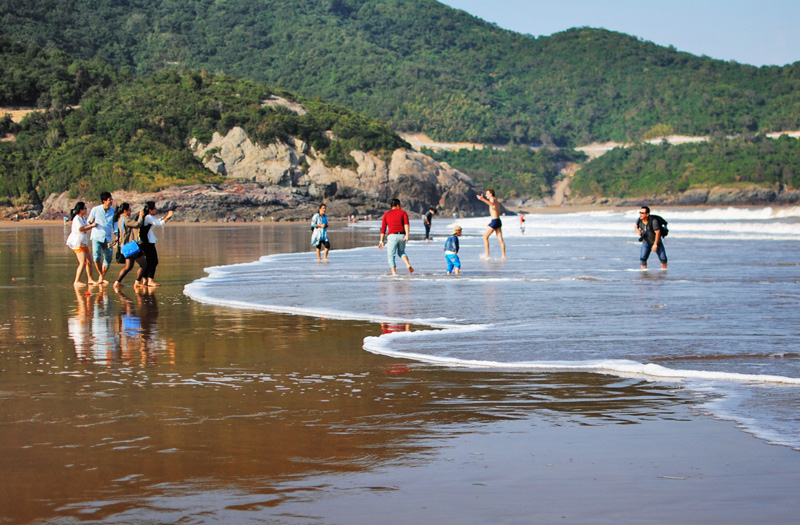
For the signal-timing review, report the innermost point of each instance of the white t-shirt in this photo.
(150, 220)
(78, 238)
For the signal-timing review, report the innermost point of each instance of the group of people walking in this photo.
(395, 229)
(95, 233)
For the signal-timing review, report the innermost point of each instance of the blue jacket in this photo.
(451, 244)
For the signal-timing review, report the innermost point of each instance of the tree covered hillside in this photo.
(512, 172)
(647, 169)
(33, 77)
(422, 66)
(135, 133)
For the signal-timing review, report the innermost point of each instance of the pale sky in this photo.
(757, 32)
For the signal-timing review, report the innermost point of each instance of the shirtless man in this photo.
(495, 225)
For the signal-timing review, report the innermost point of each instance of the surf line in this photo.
(617, 367)
(198, 290)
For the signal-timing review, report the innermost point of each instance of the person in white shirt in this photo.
(102, 236)
(79, 242)
(148, 241)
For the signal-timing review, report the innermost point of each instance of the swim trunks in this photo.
(495, 224)
(452, 262)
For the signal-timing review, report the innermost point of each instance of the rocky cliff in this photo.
(289, 180)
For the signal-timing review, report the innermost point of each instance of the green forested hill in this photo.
(135, 133)
(512, 172)
(422, 66)
(646, 169)
(30, 76)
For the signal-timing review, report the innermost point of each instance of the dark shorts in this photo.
(326, 244)
(495, 224)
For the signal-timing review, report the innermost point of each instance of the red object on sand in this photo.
(396, 370)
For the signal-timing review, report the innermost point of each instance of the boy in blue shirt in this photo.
(451, 252)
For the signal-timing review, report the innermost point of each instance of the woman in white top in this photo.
(147, 240)
(79, 242)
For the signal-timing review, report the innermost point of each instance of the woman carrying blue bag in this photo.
(129, 233)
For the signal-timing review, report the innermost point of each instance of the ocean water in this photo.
(722, 320)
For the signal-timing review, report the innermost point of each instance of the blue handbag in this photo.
(131, 250)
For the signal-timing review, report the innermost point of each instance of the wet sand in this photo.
(151, 408)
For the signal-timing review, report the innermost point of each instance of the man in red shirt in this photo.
(394, 229)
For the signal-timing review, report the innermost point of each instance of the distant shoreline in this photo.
(532, 210)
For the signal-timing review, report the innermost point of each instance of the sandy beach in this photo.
(152, 408)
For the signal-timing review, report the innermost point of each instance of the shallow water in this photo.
(142, 408)
(571, 296)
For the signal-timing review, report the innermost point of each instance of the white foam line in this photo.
(621, 367)
(192, 291)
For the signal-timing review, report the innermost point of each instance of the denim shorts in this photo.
(395, 246)
(101, 250)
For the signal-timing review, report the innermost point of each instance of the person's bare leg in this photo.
(79, 271)
(319, 254)
(486, 240)
(88, 265)
(326, 254)
(101, 272)
(499, 234)
(408, 263)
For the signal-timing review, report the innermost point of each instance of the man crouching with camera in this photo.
(650, 234)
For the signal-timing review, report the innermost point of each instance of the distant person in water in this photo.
(495, 225)
(395, 230)
(522, 223)
(319, 237)
(426, 221)
(147, 240)
(649, 229)
(102, 236)
(129, 231)
(451, 252)
(78, 241)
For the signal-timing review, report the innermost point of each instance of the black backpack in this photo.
(663, 223)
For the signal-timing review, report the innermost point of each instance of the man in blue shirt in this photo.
(102, 236)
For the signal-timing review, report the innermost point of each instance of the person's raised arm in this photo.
(138, 223)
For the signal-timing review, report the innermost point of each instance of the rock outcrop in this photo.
(288, 181)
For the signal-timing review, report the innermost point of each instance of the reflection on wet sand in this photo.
(104, 333)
